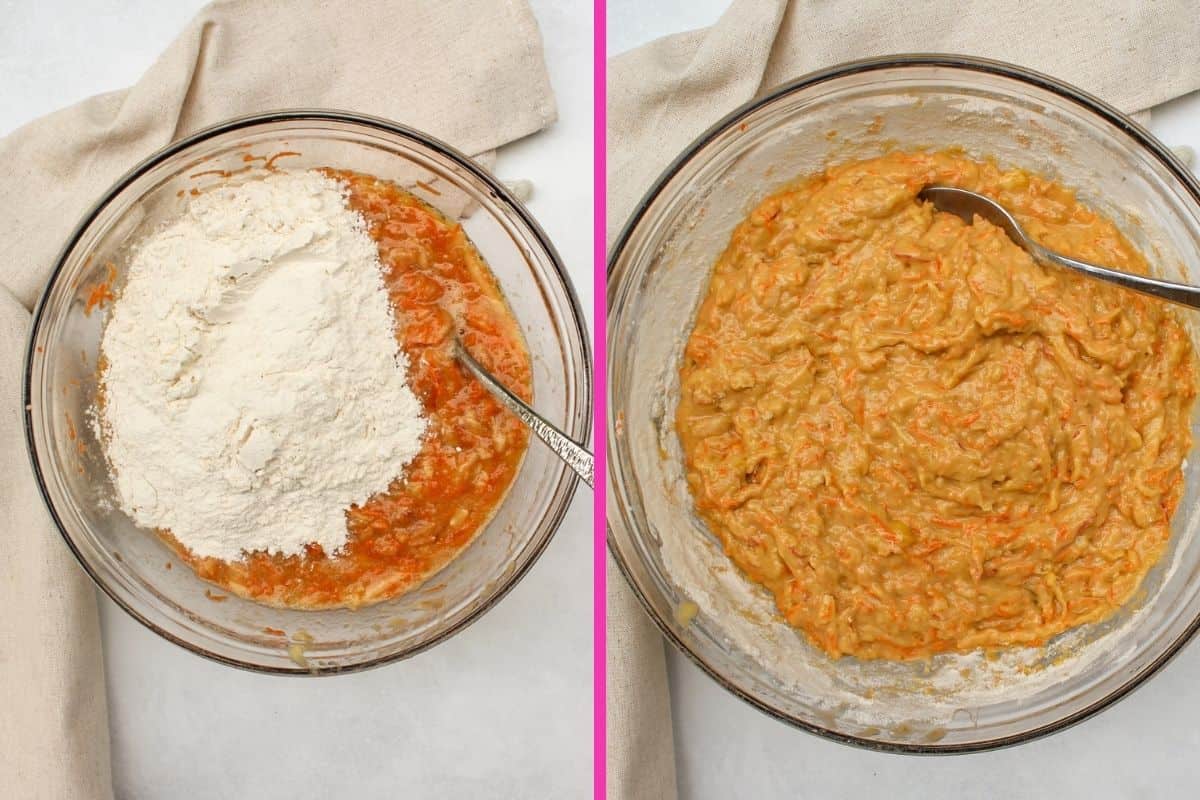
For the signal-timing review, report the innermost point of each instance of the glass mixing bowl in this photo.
(658, 270)
(130, 564)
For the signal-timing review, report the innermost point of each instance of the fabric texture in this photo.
(470, 72)
(640, 748)
(664, 94)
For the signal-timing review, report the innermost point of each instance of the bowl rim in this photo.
(1080, 98)
(584, 412)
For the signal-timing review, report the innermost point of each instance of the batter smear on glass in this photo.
(916, 438)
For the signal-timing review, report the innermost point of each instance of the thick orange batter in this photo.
(919, 440)
(473, 446)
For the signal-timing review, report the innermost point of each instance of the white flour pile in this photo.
(254, 389)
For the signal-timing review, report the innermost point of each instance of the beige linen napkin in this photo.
(470, 72)
(661, 96)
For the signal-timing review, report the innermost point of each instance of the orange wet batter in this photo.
(916, 438)
(472, 448)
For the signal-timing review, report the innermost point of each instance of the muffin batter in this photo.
(915, 437)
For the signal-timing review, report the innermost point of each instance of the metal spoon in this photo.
(967, 205)
(576, 457)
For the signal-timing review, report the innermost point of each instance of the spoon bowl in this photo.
(968, 205)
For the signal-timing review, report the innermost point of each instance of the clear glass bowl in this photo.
(130, 564)
(658, 270)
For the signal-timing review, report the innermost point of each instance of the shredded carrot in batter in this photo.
(917, 438)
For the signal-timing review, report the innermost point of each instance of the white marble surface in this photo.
(502, 710)
(1143, 747)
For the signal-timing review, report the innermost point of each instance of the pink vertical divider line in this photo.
(600, 387)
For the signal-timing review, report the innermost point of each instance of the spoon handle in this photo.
(576, 457)
(1164, 290)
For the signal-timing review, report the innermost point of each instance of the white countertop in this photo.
(1143, 747)
(502, 710)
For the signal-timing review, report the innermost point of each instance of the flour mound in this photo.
(254, 389)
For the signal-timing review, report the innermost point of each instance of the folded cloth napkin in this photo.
(469, 72)
(661, 96)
